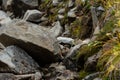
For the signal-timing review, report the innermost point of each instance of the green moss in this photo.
(82, 74)
(75, 29)
(89, 50)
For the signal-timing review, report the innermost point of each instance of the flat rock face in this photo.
(17, 61)
(35, 40)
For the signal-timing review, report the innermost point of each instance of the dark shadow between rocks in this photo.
(41, 55)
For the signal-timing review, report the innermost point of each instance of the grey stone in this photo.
(74, 49)
(60, 17)
(61, 11)
(71, 3)
(100, 8)
(33, 16)
(56, 30)
(17, 60)
(55, 2)
(4, 18)
(34, 39)
(65, 40)
(71, 14)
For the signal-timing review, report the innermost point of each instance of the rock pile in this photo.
(40, 37)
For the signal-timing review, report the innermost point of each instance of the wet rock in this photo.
(4, 18)
(34, 39)
(17, 60)
(33, 16)
(65, 40)
(56, 30)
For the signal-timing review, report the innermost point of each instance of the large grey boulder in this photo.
(34, 39)
(17, 61)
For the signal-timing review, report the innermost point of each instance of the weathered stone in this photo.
(34, 39)
(17, 60)
(33, 16)
(57, 29)
(65, 40)
(4, 18)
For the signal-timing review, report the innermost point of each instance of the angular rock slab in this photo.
(17, 61)
(34, 39)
